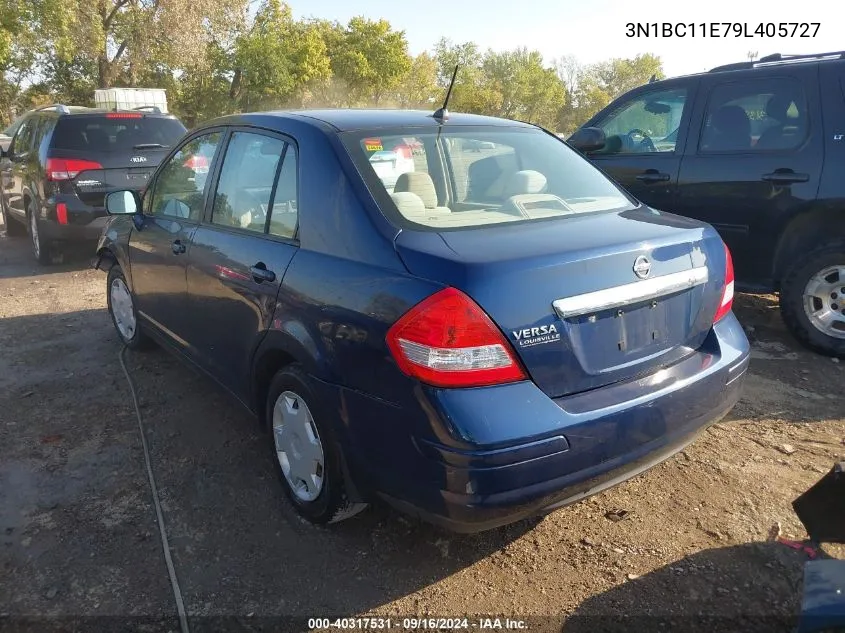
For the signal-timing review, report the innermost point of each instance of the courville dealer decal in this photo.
(529, 337)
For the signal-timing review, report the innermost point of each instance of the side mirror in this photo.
(588, 139)
(122, 203)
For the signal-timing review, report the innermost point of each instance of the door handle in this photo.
(177, 247)
(785, 177)
(261, 274)
(652, 175)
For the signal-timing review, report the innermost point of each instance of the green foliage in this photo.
(216, 57)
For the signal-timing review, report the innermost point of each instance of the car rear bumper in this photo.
(85, 224)
(509, 452)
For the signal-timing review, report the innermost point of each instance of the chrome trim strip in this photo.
(618, 296)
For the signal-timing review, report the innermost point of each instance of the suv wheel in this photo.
(40, 247)
(308, 458)
(13, 228)
(812, 299)
(123, 313)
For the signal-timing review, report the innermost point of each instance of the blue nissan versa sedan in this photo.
(476, 326)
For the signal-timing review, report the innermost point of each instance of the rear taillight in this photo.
(68, 168)
(61, 213)
(196, 163)
(447, 340)
(728, 292)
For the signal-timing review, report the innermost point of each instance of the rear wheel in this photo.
(812, 299)
(123, 313)
(308, 458)
(13, 228)
(40, 247)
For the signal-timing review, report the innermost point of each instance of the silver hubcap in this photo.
(36, 242)
(298, 446)
(824, 301)
(121, 307)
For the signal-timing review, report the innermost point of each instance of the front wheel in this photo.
(123, 313)
(812, 299)
(308, 458)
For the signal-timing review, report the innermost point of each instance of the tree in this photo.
(276, 59)
(122, 36)
(419, 87)
(369, 57)
(527, 90)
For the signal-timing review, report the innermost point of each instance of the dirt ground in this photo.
(80, 539)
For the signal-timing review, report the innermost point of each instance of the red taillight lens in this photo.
(447, 340)
(124, 115)
(728, 292)
(68, 168)
(61, 213)
(196, 163)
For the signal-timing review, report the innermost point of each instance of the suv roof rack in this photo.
(778, 58)
(151, 108)
(58, 107)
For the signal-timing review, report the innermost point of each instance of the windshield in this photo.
(459, 177)
(116, 133)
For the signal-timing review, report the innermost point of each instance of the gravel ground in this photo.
(80, 538)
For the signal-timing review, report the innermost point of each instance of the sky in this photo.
(594, 30)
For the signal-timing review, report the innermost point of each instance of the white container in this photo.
(130, 98)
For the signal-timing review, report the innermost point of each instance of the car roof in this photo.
(73, 111)
(346, 120)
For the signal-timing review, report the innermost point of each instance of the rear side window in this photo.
(458, 177)
(755, 115)
(119, 132)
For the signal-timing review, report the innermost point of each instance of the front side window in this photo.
(647, 124)
(755, 115)
(246, 181)
(458, 177)
(180, 184)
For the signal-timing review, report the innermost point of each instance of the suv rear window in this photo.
(113, 134)
(460, 177)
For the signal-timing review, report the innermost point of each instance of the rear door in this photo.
(239, 255)
(120, 150)
(754, 160)
(646, 134)
(159, 248)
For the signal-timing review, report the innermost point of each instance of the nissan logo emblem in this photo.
(642, 267)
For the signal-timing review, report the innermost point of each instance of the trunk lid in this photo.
(567, 297)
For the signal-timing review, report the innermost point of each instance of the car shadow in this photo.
(749, 588)
(17, 260)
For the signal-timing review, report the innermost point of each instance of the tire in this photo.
(824, 267)
(41, 249)
(124, 316)
(13, 227)
(327, 502)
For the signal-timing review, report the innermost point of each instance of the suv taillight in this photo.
(447, 340)
(68, 168)
(728, 292)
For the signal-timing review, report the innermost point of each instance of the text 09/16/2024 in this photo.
(722, 29)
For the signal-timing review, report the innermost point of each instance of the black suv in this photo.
(757, 149)
(62, 161)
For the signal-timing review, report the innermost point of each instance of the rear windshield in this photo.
(105, 134)
(461, 177)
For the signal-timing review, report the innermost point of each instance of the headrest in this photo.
(420, 183)
(409, 204)
(777, 106)
(525, 181)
